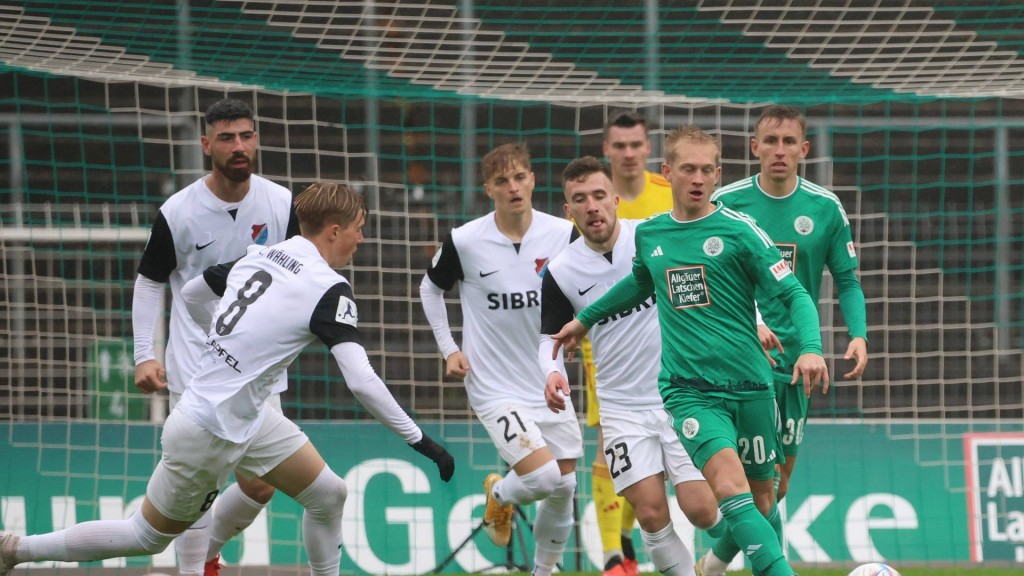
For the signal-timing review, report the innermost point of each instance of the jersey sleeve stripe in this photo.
(741, 217)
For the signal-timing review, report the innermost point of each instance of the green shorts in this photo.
(707, 424)
(793, 406)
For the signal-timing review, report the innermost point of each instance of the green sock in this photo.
(775, 519)
(725, 547)
(755, 536)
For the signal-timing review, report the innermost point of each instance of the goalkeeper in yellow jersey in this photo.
(641, 194)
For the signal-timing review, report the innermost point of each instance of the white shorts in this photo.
(519, 431)
(642, 443)
(195, 463)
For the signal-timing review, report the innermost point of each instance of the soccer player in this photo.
(498, 261)
(224, 421)
(642, 194)
(811, 230)
(640, 446)
(703, 263)
(209, 222)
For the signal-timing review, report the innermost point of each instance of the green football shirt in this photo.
(704, 274)
(811, 231)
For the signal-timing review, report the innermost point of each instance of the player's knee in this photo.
(566, 486)
(543, 481)
(702, 515)
(652, 516)
(324, 499)
(149, 539)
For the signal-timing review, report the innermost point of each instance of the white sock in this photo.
(553, 524)
(98, 540)
(528, 488)
(191, 546)
(714, 564)
(323, 501)
(669, 554)
(235, 511)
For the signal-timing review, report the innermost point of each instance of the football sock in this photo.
(669, 554)
(234, 512)
(628, 520)
(608, 507)
(755, 535)
(553, 524)
(323, 501)
(191, 545)
(725, 548)
(97, 540)
(719, 527)
(528, 488)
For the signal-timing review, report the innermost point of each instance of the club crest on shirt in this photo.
(541, 266)
(713, 246)
(260, 233)
(347, 312)
(803, 225)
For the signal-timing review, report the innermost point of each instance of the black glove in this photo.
(437, 453)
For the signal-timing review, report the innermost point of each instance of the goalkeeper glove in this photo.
(437, 453)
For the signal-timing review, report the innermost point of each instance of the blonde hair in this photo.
(693, 135)
(324, 203)
(504, 157)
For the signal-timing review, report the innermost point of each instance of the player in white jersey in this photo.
(224, 421)
(208, 222)
(640, 445)
(498, 261)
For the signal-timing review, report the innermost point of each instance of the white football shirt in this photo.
(499, 292)
(277, 300)
(627, 346)
(195, 230)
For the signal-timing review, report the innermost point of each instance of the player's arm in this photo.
(555, 312)
(293, 223)
(842, 264)
(810, 365)
(338, 331)
(158, 261)
(202, 293)
(851, 302)
(444, 272)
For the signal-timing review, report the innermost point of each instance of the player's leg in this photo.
(793, 407)
(183, 485)
(707, 427)
(633, 453)
(553, 523)
(237, 508)
(284, 457)
(534, 474)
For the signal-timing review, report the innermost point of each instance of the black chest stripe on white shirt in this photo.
(335, 317)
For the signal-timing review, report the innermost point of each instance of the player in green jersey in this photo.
(811, 230)
(703, 262)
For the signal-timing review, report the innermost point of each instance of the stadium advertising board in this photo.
(858, 494)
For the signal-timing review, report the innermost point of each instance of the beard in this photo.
(236, 173)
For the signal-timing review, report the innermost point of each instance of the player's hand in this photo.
(555, 392)
(457, 366)
(150, 377)
(858, 350)
(812, 370)
(569, 337)
(444, 460)
(769, 342)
